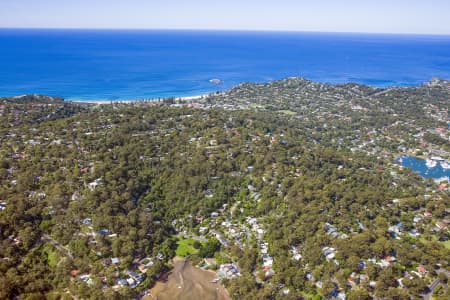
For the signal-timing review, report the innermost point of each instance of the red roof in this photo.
(427, 214)
(421, 269)
(389, 259)
(75, 273)
(442, 186)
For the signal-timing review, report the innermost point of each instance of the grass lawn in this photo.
(446, 244)
(52, 256)
(185, 247)
(254, 105)
(85, 229)
(52, 259)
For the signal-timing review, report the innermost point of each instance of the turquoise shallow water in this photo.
(118, 65)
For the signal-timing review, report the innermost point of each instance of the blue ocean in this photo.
(124, 64)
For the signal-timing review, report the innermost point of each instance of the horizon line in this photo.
(225, 30)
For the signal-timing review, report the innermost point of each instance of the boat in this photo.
(216, 81)
(436, 158)
(445, 165)
(430, 163)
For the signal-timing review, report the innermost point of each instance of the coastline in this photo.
(101, 102)
(131, 76)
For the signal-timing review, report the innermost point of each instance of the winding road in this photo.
(434, 285)
(62, 249)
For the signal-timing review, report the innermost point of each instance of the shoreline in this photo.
(99, 102)
(186, 281)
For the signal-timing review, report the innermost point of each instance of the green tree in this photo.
(209, 248)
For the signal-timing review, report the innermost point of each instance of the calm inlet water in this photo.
(419, 166)
(110, 65)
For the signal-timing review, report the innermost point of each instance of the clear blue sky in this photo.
(384, 16)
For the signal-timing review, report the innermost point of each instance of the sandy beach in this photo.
(186, 282)
(187, 98)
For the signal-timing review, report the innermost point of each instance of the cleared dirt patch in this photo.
(186, 282)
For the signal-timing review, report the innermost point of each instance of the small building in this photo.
(269, 273)
(138, 278)
(86, 278)
(94, 184)
(142, 268)
(441, 225)
(414, 233)
(147, 262)
(297, 256)
(361, 265)
(421, 270)
(76, 196)
(115, 260)
(228, 271)
(75, 273)
(390, 259)
(267, 260)
(103, 232)
(329, 252)
(417, 219)
(122, 282)
(87, 221)
(130, 282)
